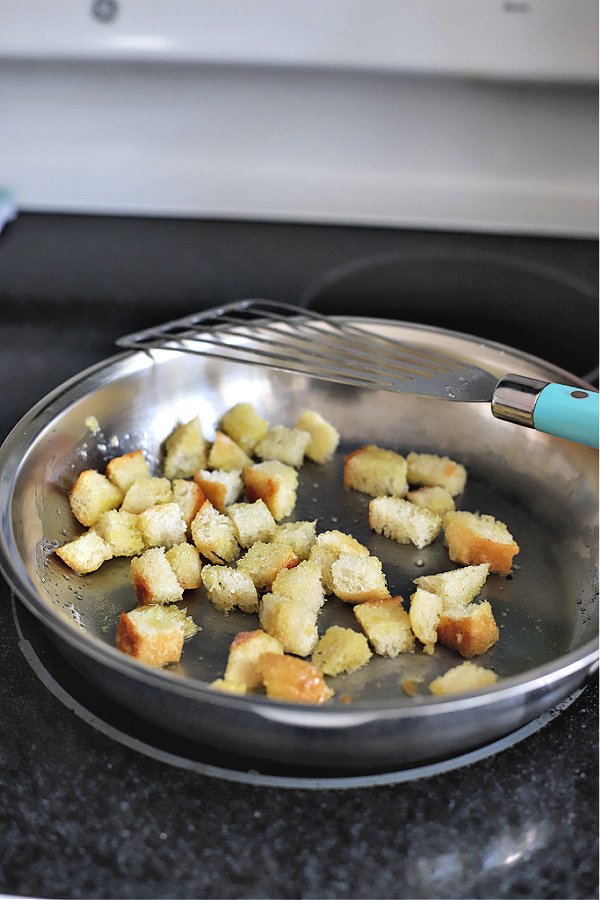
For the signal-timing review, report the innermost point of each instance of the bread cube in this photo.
(303, 583)
(474, 539)
(214, 534)
(185, 561)
(467, 676)
(292, 622)
(153, 578)
(341, 650)
(288, 445)
(424, 615)
(375, 471)
(300, 536)
(190, 498)
(85, 553)
(145, 493)
(324, 438)
(429, 469)
(124, 470)
(226, 455)
(437, 499)
(186, 450)
(275, 483)
(289, 678)
(252, 521)
(154, 634)
(263, 562)
(221, 488)
(227, 588)
(91, 495)
(228, 687)
(244, 661)
(404, 522)
(244, 425)
(162, 526)
(457, 588)
(121, 532)
(329, 546)
(357, 579)
(471, 630)
(387, 626)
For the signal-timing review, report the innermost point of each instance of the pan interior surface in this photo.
(543, 488)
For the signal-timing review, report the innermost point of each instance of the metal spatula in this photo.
(282, 336)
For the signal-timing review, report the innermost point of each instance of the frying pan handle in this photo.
(558, 409)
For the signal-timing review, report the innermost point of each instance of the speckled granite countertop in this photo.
(84, 814)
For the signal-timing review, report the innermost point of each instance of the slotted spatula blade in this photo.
(290, 338)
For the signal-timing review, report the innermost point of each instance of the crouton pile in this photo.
(214, 520)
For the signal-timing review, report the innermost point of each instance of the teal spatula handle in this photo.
(558, 409)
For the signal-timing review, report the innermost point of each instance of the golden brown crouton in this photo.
(244, 425)
(403, 522)
(263, 562)
(145, 493)
(303, 582)
(324, 438)
(186, 450)
(221, 488)
(376, 471)
(275, 483)
(473, 539)
(184, 559)
(154, 634)
(357, 579)
(429, 469)
(471, 630)
(227, 588)
(329, 546)
(124, 470)
(85, 553)
(458, 587)
(214, 534)
(300, 536)
(244, 661)
(387, 626)
(91, 495)
(226, 455)
(162, 526)
(153, 578)
(190, 498)
(289, 678)
(288, 445)
(252, 521)
(437, 499)
(466, 677)
(341, 650)
(120, 531)
(292, 622)
(424, 614)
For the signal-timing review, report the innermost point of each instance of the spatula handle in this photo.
(559, 409)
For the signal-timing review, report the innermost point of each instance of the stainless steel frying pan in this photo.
(544, 488)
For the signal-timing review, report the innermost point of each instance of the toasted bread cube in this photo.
(328, 547)
(226, 455)
(292, 622)
(91, 495)
(473, 539)
(162, 526)
(124, 470)
(357, 579)
(185, 561)
(459, 587)
(324, 438)
(288, 445)
(227, 588)
(460, 679)
(435, 498)
(289, 678)
(186, 450)
(263, 562)
(190, 498)
(145, 493)
(221, 488)
(404, 522)
(471, 630)
(303, 583)
(375, 471)
(341, 650)
(120, 530)
(228, 687)
(300, 536)
(153, 578)
(387, 626)
(214, 534)
(244, 660)
(85, 553)
(275, 483)
(424, 615)
(252, 521)
(244, 425)
(429, 469)
(154, 634)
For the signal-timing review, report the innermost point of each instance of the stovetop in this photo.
(97, 804)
